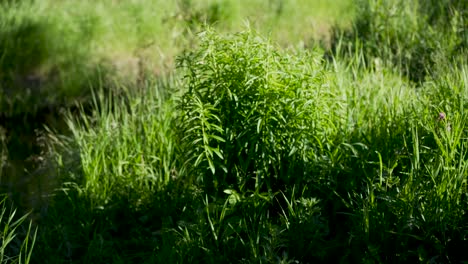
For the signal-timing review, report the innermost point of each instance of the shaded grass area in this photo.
(262, 150)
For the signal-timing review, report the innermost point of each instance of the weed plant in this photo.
(251, 112)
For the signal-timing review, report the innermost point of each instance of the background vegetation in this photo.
(208, 132)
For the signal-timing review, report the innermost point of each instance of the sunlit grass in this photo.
(373, 166)
(257, 146)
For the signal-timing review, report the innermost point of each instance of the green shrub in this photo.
(251, 112)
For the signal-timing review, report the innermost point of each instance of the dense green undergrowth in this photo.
(254, 151)
(259, 154)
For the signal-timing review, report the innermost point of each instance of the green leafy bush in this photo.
(251, 112)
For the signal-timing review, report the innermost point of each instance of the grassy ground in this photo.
(312, 133)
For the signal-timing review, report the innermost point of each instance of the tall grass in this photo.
(14, 249)
(263, 154)
(127, 146)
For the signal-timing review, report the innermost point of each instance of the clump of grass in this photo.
(127, 147)
(407, 141)
(130, 153)
(116, 169)
(258, 120)
(12, 248)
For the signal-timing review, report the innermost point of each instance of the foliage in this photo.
(251, 113)
(256, 153)
(127, 147)
(14, 248)
(264, 155)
